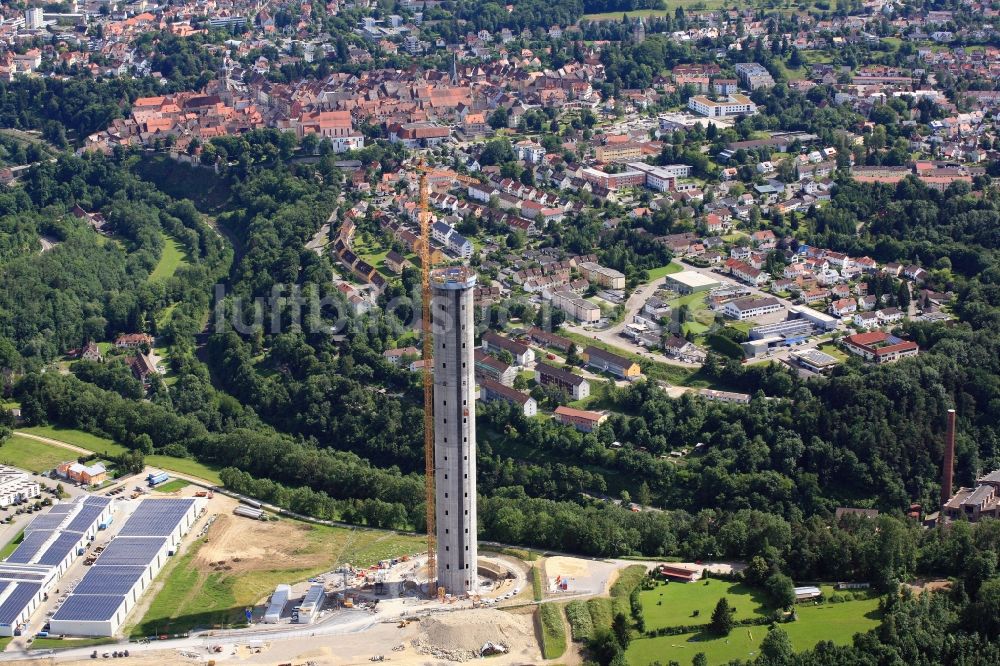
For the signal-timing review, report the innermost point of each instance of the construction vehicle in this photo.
(428, 378)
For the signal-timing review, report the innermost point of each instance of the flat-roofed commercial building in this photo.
(749, 308)
(689, 282)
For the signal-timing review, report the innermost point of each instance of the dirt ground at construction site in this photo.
(443, 638)
(237, 548)
(580, 576)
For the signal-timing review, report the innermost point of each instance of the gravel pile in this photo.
(460, 636)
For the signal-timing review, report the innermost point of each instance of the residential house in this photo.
(397, 356)
(86, 474)
(546, 339)
(133, 340)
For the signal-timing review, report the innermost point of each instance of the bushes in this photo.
(553, 631)
(601, 612)
(628, 580)
(581, 625)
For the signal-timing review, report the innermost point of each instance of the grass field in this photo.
(662, 271)
(68, 643)
(553, 631)
(194, 593)
(185, 466)
(11, 545)
(536, 582)
(172, 486)
(105, 446)
(84, 440)
(32, 455)
(675, 603)
(826, 621)
(172, 257)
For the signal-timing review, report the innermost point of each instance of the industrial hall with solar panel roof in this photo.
(113, 585)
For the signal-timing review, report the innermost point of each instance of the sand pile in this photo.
(460, 636)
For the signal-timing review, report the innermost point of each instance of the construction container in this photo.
(157, 479)
(278, 601)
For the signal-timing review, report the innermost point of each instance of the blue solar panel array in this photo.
(64, 544)
(156, 517)
(84, 520)
(125, 560)
(61, 509)
(89, 608)
(46, 521)
(30, 547)
(16, 601)
(109, 580)
(130, 551)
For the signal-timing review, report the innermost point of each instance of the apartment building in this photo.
(619, 152)
(601, 275)
(754, 76)
(574, 385)
(578, 308)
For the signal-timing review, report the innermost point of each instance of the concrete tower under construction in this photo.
(454, 428)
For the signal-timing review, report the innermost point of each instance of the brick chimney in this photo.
(948, 464)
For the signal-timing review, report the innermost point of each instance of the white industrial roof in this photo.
(693, 279)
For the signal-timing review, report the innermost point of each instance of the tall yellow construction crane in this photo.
(428, 377)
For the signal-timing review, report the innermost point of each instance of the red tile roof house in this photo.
(133, 340)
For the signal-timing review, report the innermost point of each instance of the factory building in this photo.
(454, 428)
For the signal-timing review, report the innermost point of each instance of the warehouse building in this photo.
(52, 541)
(114, 585)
